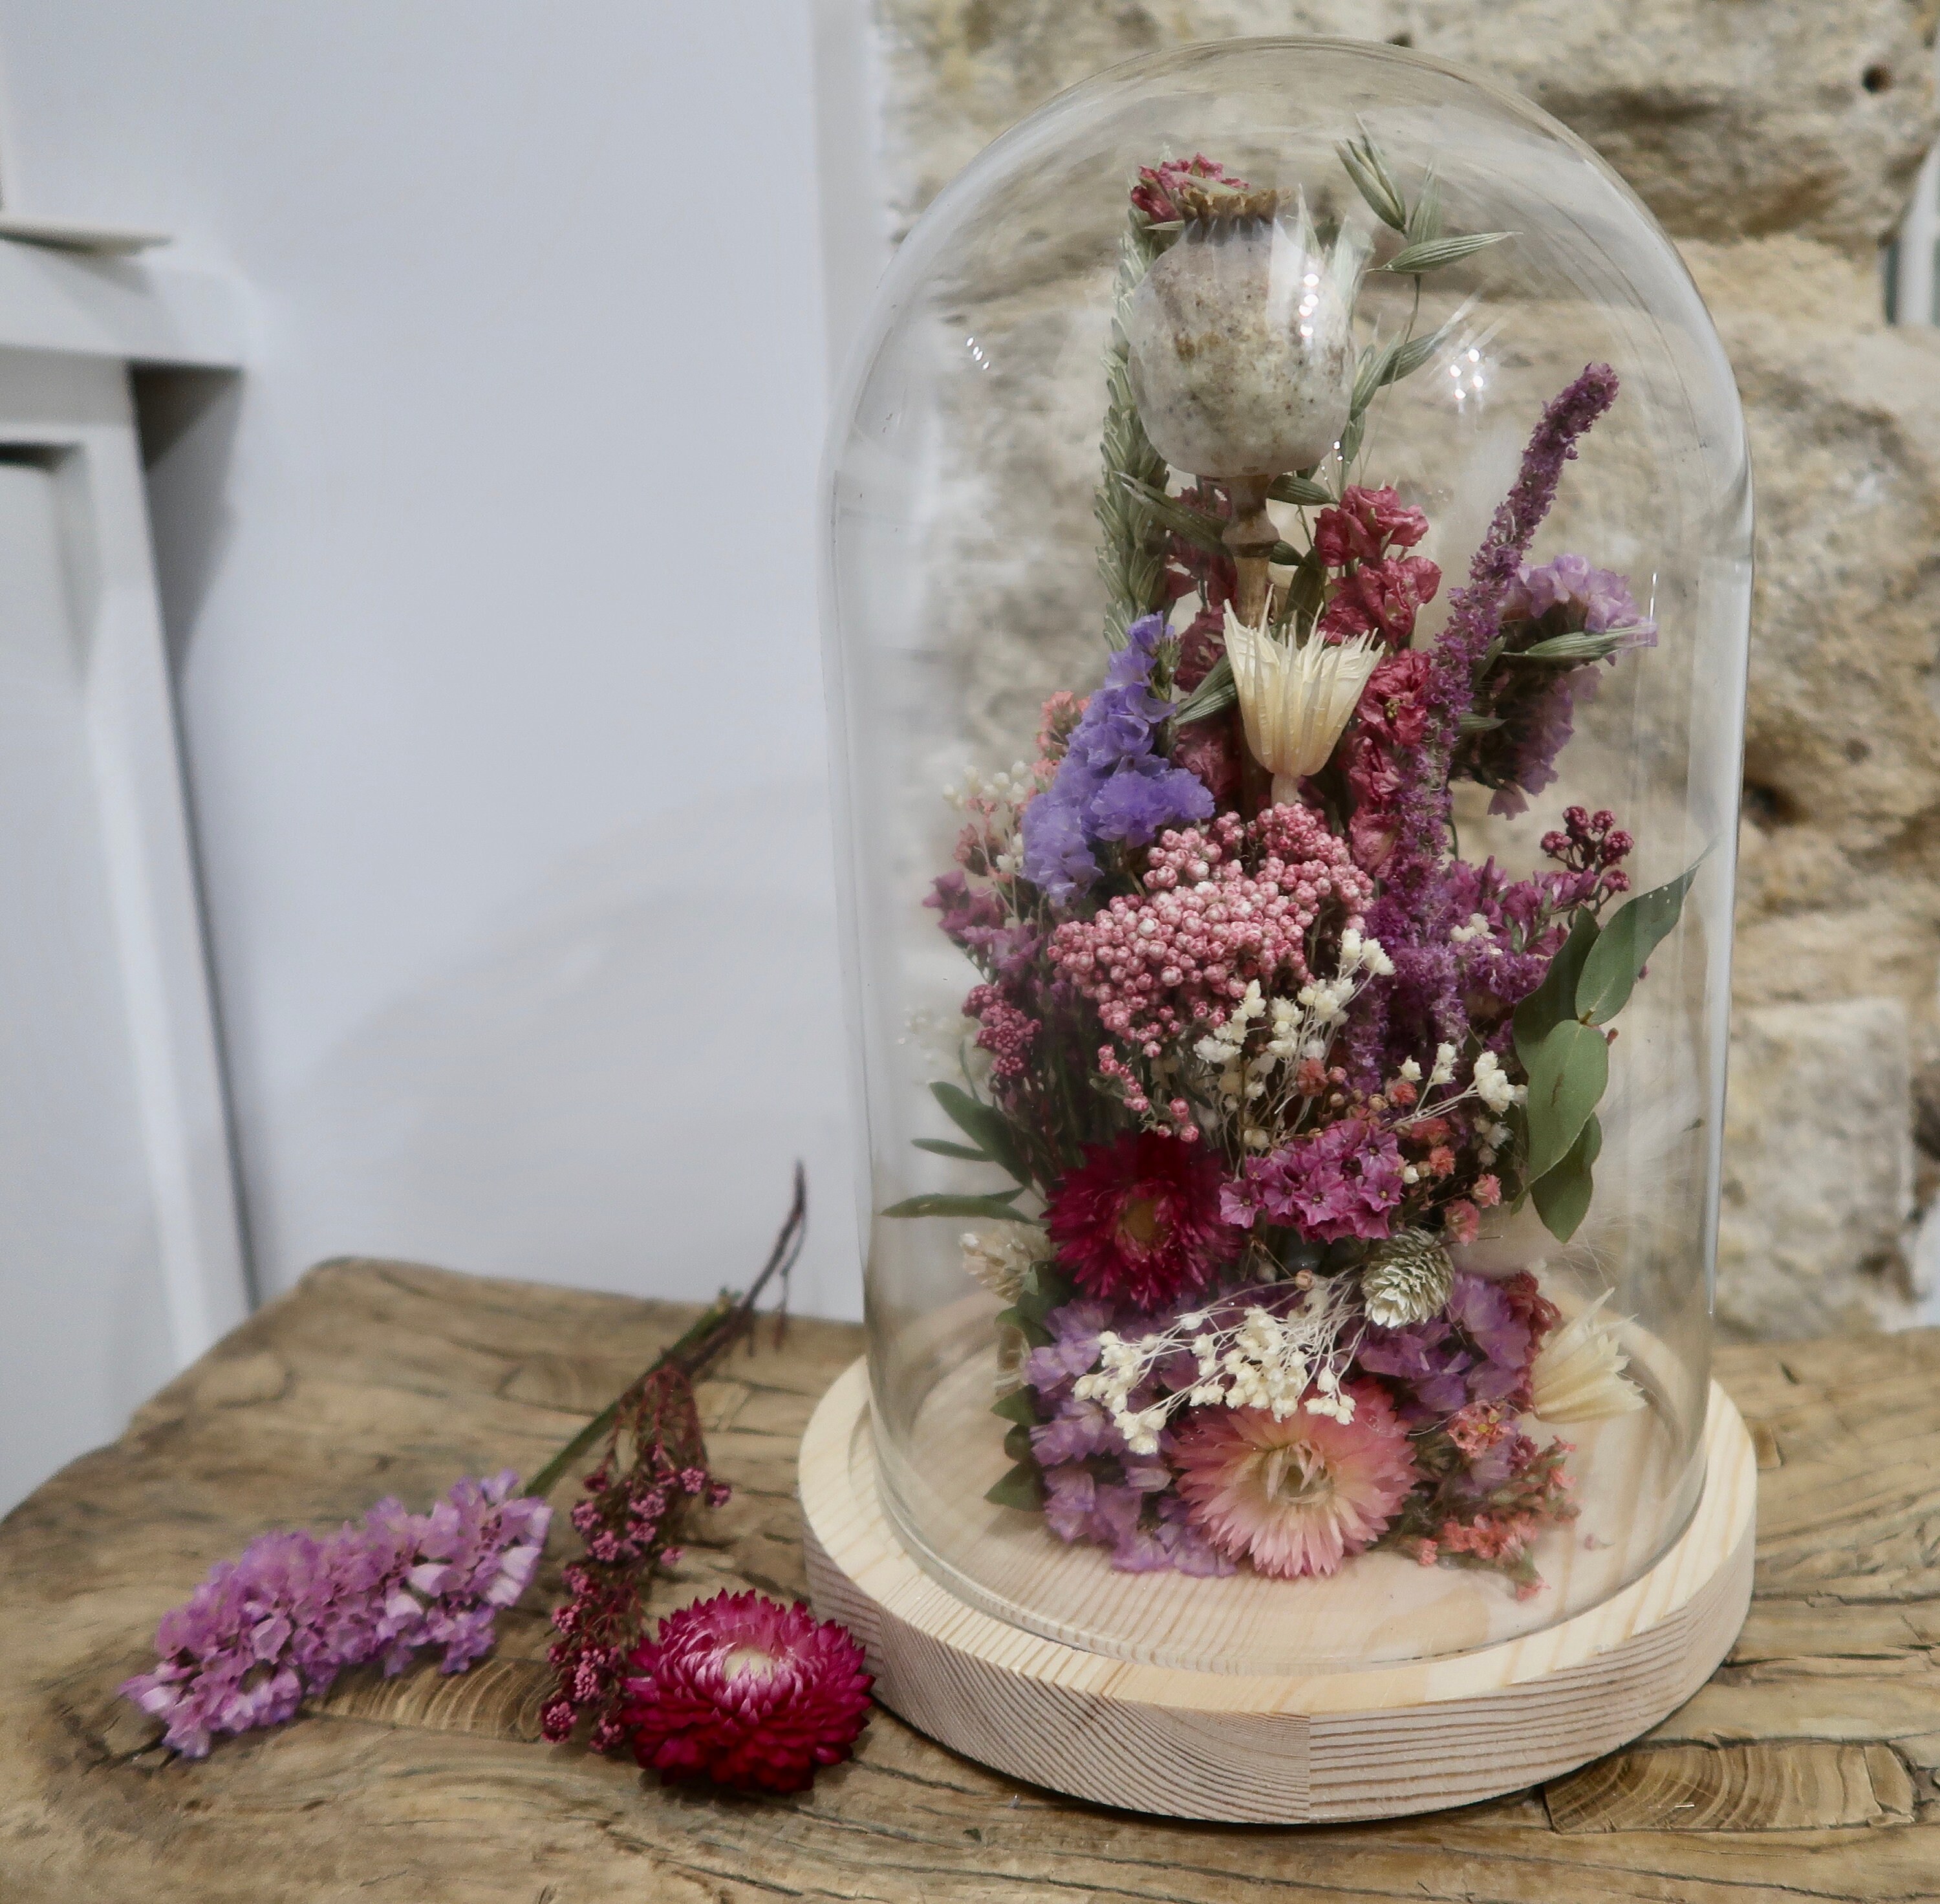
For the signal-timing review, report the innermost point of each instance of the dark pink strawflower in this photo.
(279, 1623)
(1138, 1221)
(747, 1692)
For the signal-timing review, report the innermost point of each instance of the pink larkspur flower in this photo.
(1296, 1497)
(746, 1691)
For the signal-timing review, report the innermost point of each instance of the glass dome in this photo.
(1287, 589)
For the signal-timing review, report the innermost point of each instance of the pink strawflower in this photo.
(279, 1623)
(746, 1692)
(1138, 1221)
(1155, 194)
(1294, 1497)
(1223, 905)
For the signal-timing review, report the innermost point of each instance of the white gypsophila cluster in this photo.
(999, 1259)
(998, 804)
(1477, 927)
(1256, 1085)
(1261, 1360)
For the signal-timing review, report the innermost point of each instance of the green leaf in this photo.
(1018, 1442)
(1635, 931)
(1213, 695)
(942, 1147)
(1561, 1198)
(1370, 374)
(1301, 491)
(1571, 650)
(1307, 590)
(1567, 1072)
(1432, 254)
(1424, 222)
(1478, 723)
(988, 1126)
(1209, 532)
(1364, 163)
(1350, 441)
(1034, 1332)
(1555, 999)
(1017, 1406)
(1022, 1488)
(938, 1204)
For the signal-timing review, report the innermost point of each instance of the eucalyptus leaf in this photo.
(990, 1127)
(942, 1147)
(1214, 694)
(1362, 161)
(1432, 254)
(1635, 931)
(1033, 1331)
(1568, 1071)
(1018, 1442)
(1016, 1406)
(1301, 491)
(1555, 999)
(1023, 1488)
(940, 1203)
(1562, 1197)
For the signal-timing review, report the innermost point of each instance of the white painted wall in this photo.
(492, 597)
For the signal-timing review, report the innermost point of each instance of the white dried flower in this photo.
(999, 1259)
(1296, 699)
(1578, 1373)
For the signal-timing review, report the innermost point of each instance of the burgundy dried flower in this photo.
(1138, 1221)
(746, 1691)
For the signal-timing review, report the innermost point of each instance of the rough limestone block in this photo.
(1818, 1169)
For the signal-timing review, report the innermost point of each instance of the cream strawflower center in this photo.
(757, 1660)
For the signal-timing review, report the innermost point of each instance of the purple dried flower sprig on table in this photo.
(266, 1630)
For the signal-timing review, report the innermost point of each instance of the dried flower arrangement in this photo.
(1256, 1046)
(739, 1689)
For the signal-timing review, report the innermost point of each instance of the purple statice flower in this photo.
(1410, 918)
(1536, 710)
(1594, 600)
(1342, 1181)
(1477, 1350)
(279, 1623)
(1075, 1328)
(1112, 785)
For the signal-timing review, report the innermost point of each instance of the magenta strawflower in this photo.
(1138, 1221)
(747, 1692)
(279, 1623)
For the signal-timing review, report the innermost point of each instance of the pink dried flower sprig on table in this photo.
(747, 1692)
(278, 1625)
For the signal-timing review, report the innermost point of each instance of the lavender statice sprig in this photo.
(1475, 620)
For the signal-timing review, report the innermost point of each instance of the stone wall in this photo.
(1777, 140)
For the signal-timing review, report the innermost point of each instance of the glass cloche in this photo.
(1287, 587)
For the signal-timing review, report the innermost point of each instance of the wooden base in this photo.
(1273, 1748)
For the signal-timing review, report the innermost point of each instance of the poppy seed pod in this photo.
(1241, 343)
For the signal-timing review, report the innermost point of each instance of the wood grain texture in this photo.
(1278, 1747)
(375, 1376)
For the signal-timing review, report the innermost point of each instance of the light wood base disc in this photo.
(1273, 1748)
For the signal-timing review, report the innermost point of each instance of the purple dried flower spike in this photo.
(279, 1623)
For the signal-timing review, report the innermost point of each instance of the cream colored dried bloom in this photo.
(1578, 1374)
(1296, 700)
(999, 1260)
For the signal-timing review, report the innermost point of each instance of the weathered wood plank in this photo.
(1806, 1764)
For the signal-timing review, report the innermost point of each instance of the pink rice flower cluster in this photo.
(746, 1692)
(627, 1523)
(1183, 954)
(1003, 1030)
(1295, 1495)
(278, 1625)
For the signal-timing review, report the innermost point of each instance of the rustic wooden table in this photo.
(1804, 1769)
